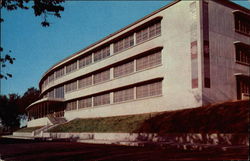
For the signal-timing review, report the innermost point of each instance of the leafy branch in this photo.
(42, 8)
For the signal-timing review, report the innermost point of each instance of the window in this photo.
(148, 32)
(242, 53)
(152, 89)
(145, 34)
(101, 54)
(124, 95)
(242, 23)
(102, 99)
(86, 102)
(43, 86)
(85, 82)
(45, 95)
(85, 61)
(51, 94)
(157, 29)
(59, 72)
(71, 86)
(102, 76)
(46, 82)
(51, 77)
(124, 43)
(71, 67)
(71, 106)
(59, 92)
(124, 69)
(243, 87)
(148, 61)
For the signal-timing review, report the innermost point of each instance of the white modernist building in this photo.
(186, 54)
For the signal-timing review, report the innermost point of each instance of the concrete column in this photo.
(134, 93)
(111, 97)
(92, 101)
(77, 105)
(77, 64)
(111, 73)
(92, 78)
(64, 89)
(112, 49)
(134, 38)
(77, 87)
(134, 65)
(64, 70)
(54, 75)
(92, 57)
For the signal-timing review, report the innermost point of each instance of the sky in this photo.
(37, 48)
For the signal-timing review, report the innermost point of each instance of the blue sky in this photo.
(37, 48)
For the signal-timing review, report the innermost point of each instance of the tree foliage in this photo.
(43, 8)
(30, 96)
(12, 107)
(9, 111)
(3, 61)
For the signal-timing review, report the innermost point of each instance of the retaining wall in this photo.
(189, 138)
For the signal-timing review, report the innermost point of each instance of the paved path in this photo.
(20, 150)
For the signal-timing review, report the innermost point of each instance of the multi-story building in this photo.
(186, 54)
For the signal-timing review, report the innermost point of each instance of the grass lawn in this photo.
(228, 117)
(108, 124)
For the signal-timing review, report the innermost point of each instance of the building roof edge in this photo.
(110, 35)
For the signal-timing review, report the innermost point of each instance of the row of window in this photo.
(242, 53)
(144, 62)
(102, 76)
(142, 35)
(242, 23)
(101, 54)
(124, 43)
(124, 69)
(148, 32)
(142, 91)
(86, 60)
(71, 67)
(55, 93)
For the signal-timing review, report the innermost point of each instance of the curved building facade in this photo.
(181, 56)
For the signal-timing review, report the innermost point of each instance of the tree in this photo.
(30, 96)
(12, 108)
(9, 111)
(42, 8)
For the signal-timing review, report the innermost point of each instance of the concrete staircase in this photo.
(57, 120)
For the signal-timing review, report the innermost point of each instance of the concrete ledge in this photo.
(74, 136)
(17, 137)
(23, 134)
(189, 141)
(189, 138)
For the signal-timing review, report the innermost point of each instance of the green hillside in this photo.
(228, 117)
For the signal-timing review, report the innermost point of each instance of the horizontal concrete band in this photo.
(179, 138)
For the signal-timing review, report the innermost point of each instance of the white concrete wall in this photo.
(223, 64)
(175, 71)
(23, 134)
(39, 122)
